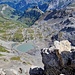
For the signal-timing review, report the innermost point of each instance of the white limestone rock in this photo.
(64, 45)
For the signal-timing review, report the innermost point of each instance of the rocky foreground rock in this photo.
(59, 59)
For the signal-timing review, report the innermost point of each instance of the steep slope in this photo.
(58, 25)
(30, 16)
(22, 4)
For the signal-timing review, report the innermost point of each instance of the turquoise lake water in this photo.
(25, 47)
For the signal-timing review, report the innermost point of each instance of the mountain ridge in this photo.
(23, 5)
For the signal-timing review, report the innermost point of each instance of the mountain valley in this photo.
(41, 27)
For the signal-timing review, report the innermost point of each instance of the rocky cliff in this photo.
(59, 59)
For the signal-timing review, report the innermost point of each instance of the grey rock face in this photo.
(56, 63)
(67, 33)
(58, 25)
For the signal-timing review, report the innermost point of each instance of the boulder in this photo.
(2, 72)
(36, 71)
(20, 70)
(64, 45)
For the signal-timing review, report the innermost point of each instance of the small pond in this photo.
(25, 47)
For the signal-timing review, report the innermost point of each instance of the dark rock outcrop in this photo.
(36, 71)
(59, 61)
